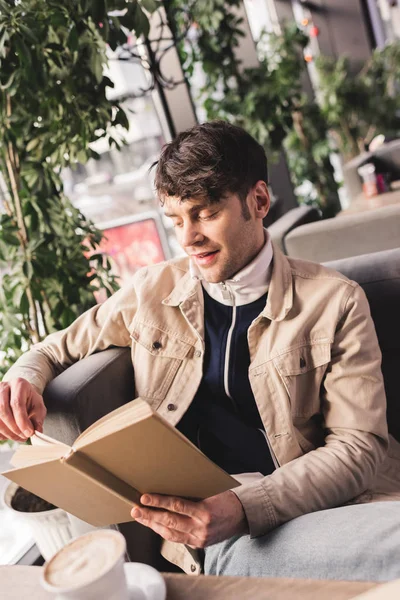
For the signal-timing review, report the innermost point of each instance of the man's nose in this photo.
(190, 235)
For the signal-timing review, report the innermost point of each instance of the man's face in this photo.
(218, 237)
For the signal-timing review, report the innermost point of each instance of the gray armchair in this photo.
(346, 235)
(100, 383)
(296, 217)
(379, 276)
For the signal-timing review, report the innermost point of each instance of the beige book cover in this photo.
(130, 451)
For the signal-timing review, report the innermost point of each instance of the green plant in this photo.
(266, 100)
(53, 104)
(308, 152)
(359, 106)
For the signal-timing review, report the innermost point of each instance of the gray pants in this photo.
(359, 542)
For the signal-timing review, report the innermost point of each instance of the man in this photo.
(270, 365)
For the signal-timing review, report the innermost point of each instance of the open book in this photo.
(130, 451)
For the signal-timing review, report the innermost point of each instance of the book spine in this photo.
(101, 476)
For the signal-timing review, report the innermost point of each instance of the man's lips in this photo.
(205, 258)
(201, 254)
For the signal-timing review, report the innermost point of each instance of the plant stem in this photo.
(45, 328)
(12, 163)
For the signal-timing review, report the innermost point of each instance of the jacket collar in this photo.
(280, 291)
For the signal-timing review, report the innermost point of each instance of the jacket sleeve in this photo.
(353, 406)
(100, 327)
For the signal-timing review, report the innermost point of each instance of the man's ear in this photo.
(262, 199)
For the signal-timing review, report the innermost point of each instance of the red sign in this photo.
(133, 245)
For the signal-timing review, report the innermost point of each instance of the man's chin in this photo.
(211, 277)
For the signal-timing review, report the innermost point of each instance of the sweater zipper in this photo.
(227, 295)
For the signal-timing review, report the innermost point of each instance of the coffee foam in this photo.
(85, 559)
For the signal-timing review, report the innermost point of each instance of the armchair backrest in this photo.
(379, 276)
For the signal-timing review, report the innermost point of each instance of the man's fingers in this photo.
(38, 412)
(19, 401)
(7, 434)
(171, 535)
(173, 504)
(26, 403)
(184, 528)
(167, 519)
(7, 420)
(8, 427)
(20, 413)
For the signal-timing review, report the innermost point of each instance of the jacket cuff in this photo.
(15, 371)
(258, 508)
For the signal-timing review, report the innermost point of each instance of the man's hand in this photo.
(22, 410)
(197, 524)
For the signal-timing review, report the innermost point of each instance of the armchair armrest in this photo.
(86, 391)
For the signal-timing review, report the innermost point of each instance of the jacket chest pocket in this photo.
(302, 370)
(157, 357)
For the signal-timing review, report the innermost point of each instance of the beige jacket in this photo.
(315, 374)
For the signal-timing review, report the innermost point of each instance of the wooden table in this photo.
(20, 582)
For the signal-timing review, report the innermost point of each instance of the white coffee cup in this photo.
(88, 568)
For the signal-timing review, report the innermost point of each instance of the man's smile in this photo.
(205, 258)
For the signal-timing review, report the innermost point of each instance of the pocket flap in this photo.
(302, 359)
(158, 342)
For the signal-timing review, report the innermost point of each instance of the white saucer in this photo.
(144, 582)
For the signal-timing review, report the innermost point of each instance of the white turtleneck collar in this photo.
(248, 285)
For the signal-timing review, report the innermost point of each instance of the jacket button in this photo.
(171, 407)
(197, 353)
(156, 345)
(193, 568)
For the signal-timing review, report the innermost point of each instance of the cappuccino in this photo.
(88, 564)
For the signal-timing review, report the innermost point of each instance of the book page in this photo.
(121, 417)
(385, 591)
(29, 455)
(41, 439)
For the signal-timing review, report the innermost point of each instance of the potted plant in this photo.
(50, 526)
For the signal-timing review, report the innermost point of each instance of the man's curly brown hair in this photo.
(209, 161)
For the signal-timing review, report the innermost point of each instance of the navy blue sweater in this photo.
(227, 429)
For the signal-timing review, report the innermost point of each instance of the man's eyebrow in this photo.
(192, 210)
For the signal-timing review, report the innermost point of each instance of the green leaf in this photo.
(150, 5)
(9, 238)
(17, 295)
(28, 270)
(96, 65)
(34, 143)
(135, 19)
(121, 119)
(73, 40)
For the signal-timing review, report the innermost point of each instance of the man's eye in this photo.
(209, 216)
(177, 223)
